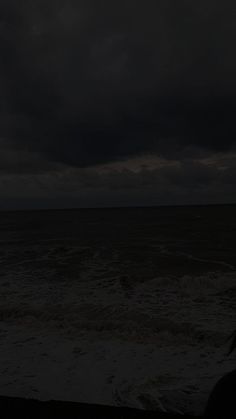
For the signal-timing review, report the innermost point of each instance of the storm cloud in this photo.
(127, 183)
(86, 83)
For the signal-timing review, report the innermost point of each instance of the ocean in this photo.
(126, 307)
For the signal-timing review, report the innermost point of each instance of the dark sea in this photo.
(141, 243)
(128, 306)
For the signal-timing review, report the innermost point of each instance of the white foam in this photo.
(160, 345)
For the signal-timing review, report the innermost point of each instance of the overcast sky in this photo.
(107, 103)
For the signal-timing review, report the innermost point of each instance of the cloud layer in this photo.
(143, 181)
(85, 83)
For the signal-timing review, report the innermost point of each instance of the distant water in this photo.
(140, 242)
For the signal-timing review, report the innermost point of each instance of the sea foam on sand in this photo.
(160, 345)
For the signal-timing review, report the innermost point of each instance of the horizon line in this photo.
(118, 207)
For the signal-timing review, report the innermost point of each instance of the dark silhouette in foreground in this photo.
(221, 403)
(14, 407)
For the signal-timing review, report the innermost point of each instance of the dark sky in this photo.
(107, 103)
